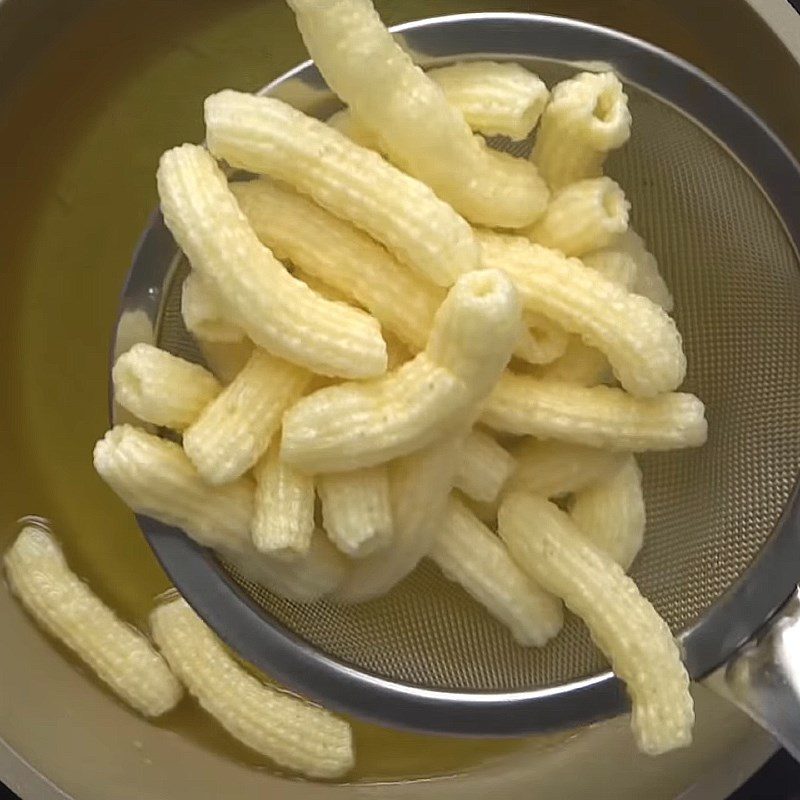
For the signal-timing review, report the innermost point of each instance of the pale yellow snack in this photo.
(416, 126)
(160, 388)
(226, 359)
(66, 607)
(496, 99)
(277, 311)
(579, 364)
(203, 313)
(614, 265)
(154, 477)
(543, 341)
(586, 118)
(639, 339)
(351, 263)
(266, 136)
(611, 513)
(475, 329)
(545, 542)
(554, 469)
(484, 467)
(350, 426)
(357, 509)
(305, 578)
(471, 555)
(284, 508)
(583, 216)
(420, 484)
(343, 257)
(597, 416)
(356, 425)
(344, 122)
(649, 281)
(293, 733)
(234, 431)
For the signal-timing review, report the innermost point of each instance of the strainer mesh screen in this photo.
(737, 288)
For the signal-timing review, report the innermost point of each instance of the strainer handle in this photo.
(763, 676)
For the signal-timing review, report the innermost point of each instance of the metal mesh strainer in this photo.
(712, 193)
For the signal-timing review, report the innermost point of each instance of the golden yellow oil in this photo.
(81, 138)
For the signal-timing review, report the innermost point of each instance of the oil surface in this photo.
(84, 135)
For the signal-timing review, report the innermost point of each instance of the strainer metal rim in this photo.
(734, 617)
